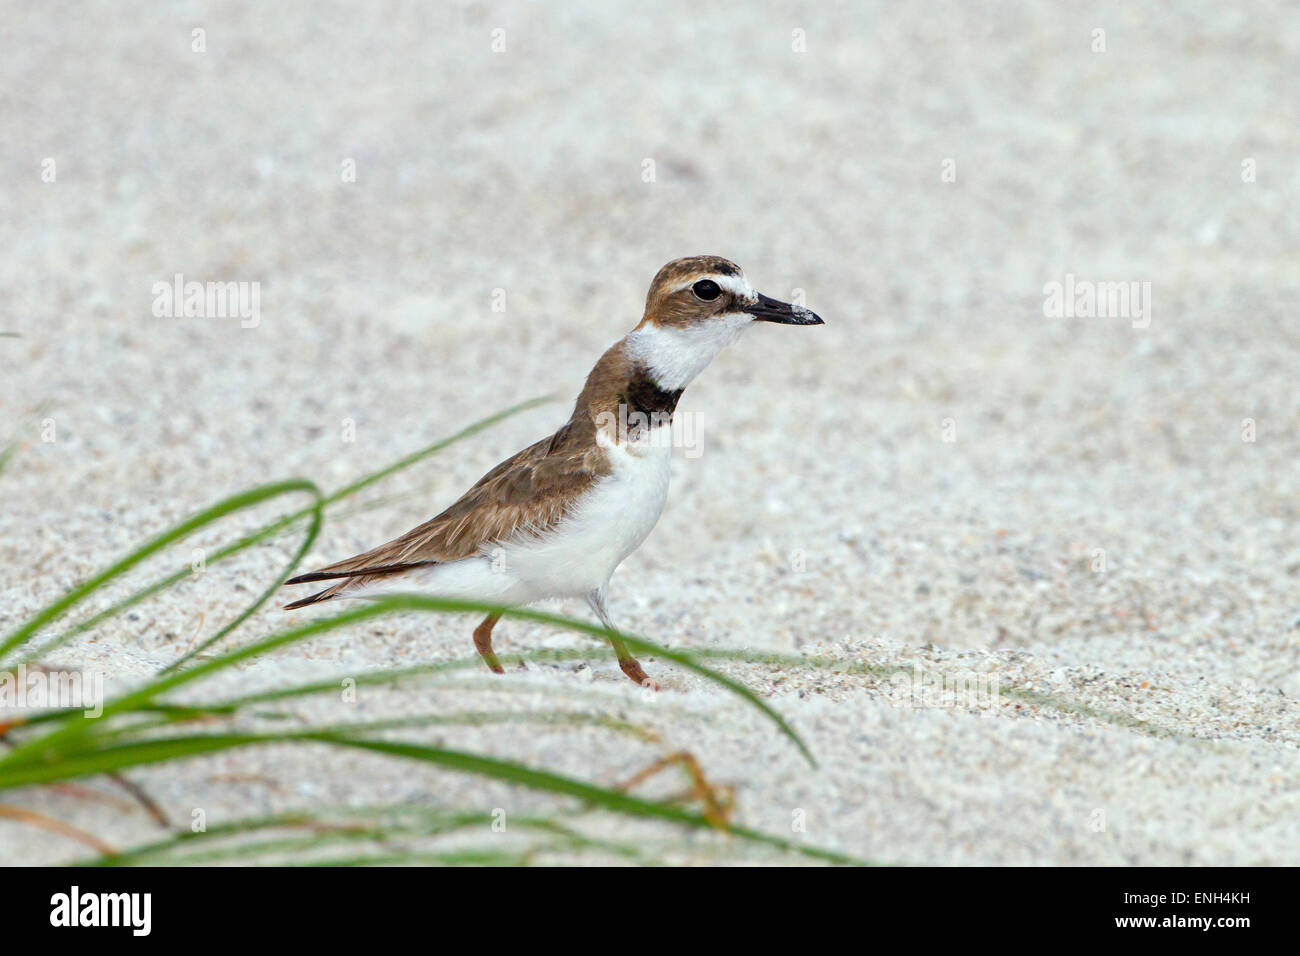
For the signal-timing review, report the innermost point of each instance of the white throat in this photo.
(674, 356)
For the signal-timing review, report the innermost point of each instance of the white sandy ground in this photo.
(826, 514)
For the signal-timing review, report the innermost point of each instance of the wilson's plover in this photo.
(556, 519)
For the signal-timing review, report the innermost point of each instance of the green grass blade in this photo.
(317, 517)
(80, 726)
(159, 751)
(236, 502)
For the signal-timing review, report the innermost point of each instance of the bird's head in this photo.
(695, 307)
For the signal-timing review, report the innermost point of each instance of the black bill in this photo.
(767, 309)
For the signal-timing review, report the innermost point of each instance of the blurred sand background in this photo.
(827, 513)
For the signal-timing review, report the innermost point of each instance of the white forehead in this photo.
(738, 285)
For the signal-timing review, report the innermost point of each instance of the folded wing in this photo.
(527, 494)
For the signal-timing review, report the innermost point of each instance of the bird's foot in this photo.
(632, 668)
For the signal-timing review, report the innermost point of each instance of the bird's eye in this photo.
(706, 289)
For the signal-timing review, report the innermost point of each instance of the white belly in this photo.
(607, 525)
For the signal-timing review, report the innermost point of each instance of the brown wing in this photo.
(527, 493)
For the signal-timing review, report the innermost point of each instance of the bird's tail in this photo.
(348, 578)
(314, 599)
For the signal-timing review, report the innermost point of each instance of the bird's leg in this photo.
(626, 662)
(483, 641)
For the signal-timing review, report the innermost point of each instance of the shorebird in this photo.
(556, 519)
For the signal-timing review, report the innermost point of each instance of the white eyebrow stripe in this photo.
(737, 285)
